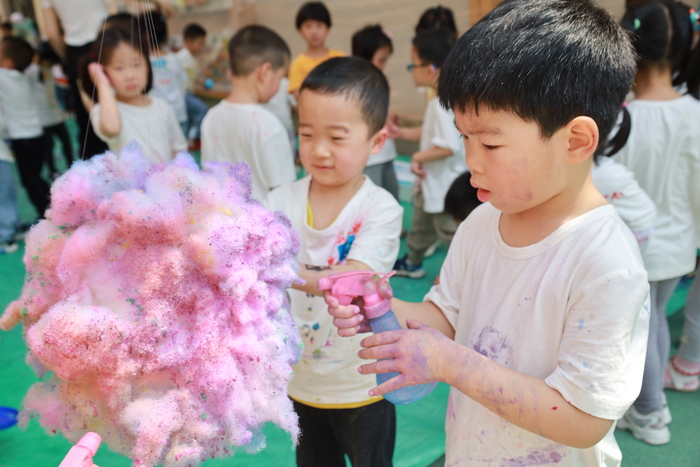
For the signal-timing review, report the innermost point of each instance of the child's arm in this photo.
(425, 353)
(407, 133)
(110, 120)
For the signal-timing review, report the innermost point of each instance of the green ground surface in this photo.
(420, 438)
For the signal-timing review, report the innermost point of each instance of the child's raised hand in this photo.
(417, 168)
(417, 353)
(98, 75)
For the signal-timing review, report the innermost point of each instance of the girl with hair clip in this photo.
(663, 151)
(118, 72)
(437, 17)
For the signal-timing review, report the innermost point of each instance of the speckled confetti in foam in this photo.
(156, 297)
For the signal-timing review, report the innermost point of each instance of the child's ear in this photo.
(582, 139)
(264, 71)
(378, 139)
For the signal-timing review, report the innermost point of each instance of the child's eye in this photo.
(305, 135)
(490, 147)
(338, 138)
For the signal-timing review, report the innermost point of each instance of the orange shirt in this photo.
(303, 64)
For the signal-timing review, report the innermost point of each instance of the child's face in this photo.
(380, 57)
(196, 45)
(334, 140)
(127, 70)
(423, 74)
(270, 81)
(314, 33)
(512, 166)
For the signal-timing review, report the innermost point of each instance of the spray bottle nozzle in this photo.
(346, 286)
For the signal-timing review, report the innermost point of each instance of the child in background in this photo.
(461, 198)
(239, 128)
(440, 158)
(619, 187)
(195, 37)
(313, 23)
(281, 106)
(540, 320)
(663, 151)
(374, 44)
(124, 112)
(50, 113)
(437, 17)
(9, 215)
(28, 141)
(345, 223)
(169, 79)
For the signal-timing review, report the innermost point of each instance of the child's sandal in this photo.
(680, 380)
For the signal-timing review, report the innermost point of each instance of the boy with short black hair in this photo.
(313, 23)
(345, 222)
(440, 159)
(29, 143)
(195, 40)
(239, 128)
(541, 318)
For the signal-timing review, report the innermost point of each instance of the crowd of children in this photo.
(571, 208)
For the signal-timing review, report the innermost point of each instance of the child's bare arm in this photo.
(311, 274)
(421, 354)
(433, 154)
(409, 133)
(110, 120)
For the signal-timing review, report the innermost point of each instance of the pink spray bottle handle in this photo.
(82, 453)
(346, 286)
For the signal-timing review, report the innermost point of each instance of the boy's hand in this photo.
(350, 319)
(417, 353)
(417, 168)
(98, 75)
(393, 129)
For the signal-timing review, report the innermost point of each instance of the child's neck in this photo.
(655, 84)
(534, 225)
(243, 91)
(142, 100)
(328, 201)
(316, 52)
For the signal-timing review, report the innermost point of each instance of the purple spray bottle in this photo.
(346, 286)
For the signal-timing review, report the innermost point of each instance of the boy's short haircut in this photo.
(546, 61)
(355, 79)
(18, 50)
(434, 45)
(193, 31)
(313, 11)
(461, 198)
(254, 45)
(368, 40)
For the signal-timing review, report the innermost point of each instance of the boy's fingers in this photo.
(352, 322)
(330, 299)
(415, 324)
(380, 353)
(394, 383)
(383, 338)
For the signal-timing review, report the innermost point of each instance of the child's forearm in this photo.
(110, 120)
(433, 154)
(410, 133)
(523, 400)
(311, 274)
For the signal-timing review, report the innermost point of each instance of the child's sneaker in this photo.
(679, 379)
(405, 268)
(7, 248)
(649, 428)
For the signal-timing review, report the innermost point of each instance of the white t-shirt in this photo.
(439, 130)
(280, 106)
(154, 127)
(45, 95)
(618, 186)
(571, 309)
(170, 82)
(249, 133)
(663, 151)
(81, 20)
(366, 230)
(19, 106)
(189, 65)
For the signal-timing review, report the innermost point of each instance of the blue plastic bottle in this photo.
(345, 286)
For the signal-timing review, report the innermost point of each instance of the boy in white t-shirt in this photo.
(29, 143)
(541, 317)
(345, 222)
(195, 40)
(239, 128)
(440, 159)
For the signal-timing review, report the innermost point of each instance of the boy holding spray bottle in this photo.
(346, 223)
(541, 317)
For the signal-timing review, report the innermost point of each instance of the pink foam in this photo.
(156, 297)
